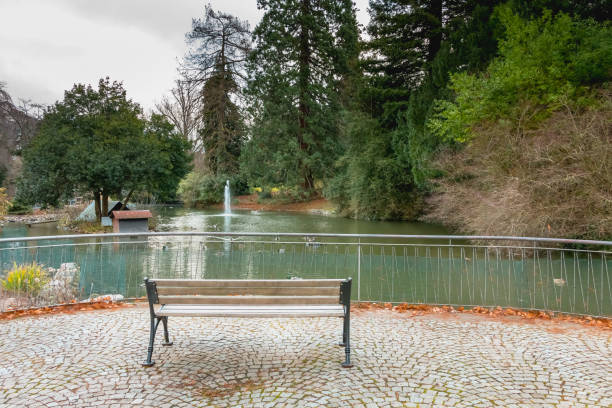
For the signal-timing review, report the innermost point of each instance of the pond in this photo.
(182, 219)
(389, 270)
(176, 218)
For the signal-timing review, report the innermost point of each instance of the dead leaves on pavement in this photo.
(421, 309)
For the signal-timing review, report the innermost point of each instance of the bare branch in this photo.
(18, 123)
(182, 108)
(218, 42)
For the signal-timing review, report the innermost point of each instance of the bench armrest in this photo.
(152, 297)
(345, 292)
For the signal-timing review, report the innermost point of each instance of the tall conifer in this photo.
(305, 55)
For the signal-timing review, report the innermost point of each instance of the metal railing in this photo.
(561, 275)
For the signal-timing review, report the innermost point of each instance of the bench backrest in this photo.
(251, 292)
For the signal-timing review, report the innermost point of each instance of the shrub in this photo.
(200, 188)
(64, 286)
(4, 201)
(3, 172)
(542, 64)
(370, 182)
(25, 279)
(265, 194)
(551, 180)
(19, 208)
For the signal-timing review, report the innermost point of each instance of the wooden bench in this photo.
(248, 298)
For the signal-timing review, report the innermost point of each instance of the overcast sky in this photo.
(47, 46)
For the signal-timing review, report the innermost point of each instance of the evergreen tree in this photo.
(299, 72)
(95, 140)
(222, 131)
(598, 10)
(221, 43)
(406, 36)
(414, 45)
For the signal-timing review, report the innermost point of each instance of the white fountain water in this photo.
(227, 201)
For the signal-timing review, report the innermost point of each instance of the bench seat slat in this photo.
(246, 290)
(252, 311)
(250, 300)
(255, 283)
(260, 307)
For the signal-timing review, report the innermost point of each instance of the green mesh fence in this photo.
(555, 279)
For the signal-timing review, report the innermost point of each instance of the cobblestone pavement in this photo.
(93, 359)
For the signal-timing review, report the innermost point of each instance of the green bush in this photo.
(370, 182)
(265, 194)
(5, 204)
(283, 194)
(205, 188)
(543, 64)
(18, 208)
(25, 279)
(2, 174)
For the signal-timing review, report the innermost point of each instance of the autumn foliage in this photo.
(73, 307)
(421, 309)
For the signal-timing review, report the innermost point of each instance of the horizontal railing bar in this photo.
(363, 244)
(321, 235)
(74, 245)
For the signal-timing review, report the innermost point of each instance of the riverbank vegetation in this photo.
(489, 116)
(527, 142)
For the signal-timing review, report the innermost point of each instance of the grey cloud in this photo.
(28, 90)
(167, 20)
(68, 41)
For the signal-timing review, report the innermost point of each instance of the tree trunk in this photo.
(104, 205)
(303, 82)
(435, 36)
(96, 195)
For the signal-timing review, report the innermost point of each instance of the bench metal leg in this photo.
(154, 324)
(343, 342)
(346, 337)
(166, 342)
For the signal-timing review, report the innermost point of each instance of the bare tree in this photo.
(6, 133)
(18, 126)
(182, 108)
(27, 120)
(5, 128)
(18, 123)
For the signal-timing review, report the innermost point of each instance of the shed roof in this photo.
(134, 214)
(89, 213)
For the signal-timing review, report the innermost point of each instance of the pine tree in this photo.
(221, 44)
(222, 131)
(405, 38)
(413, 46)
(300, 71)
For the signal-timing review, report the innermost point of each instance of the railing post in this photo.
(359, 270)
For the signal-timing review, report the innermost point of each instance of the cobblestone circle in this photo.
(93, 359)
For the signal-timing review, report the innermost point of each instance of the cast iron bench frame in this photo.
(248, 298)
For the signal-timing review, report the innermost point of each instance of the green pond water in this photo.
(393, 270)
(175, 218)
